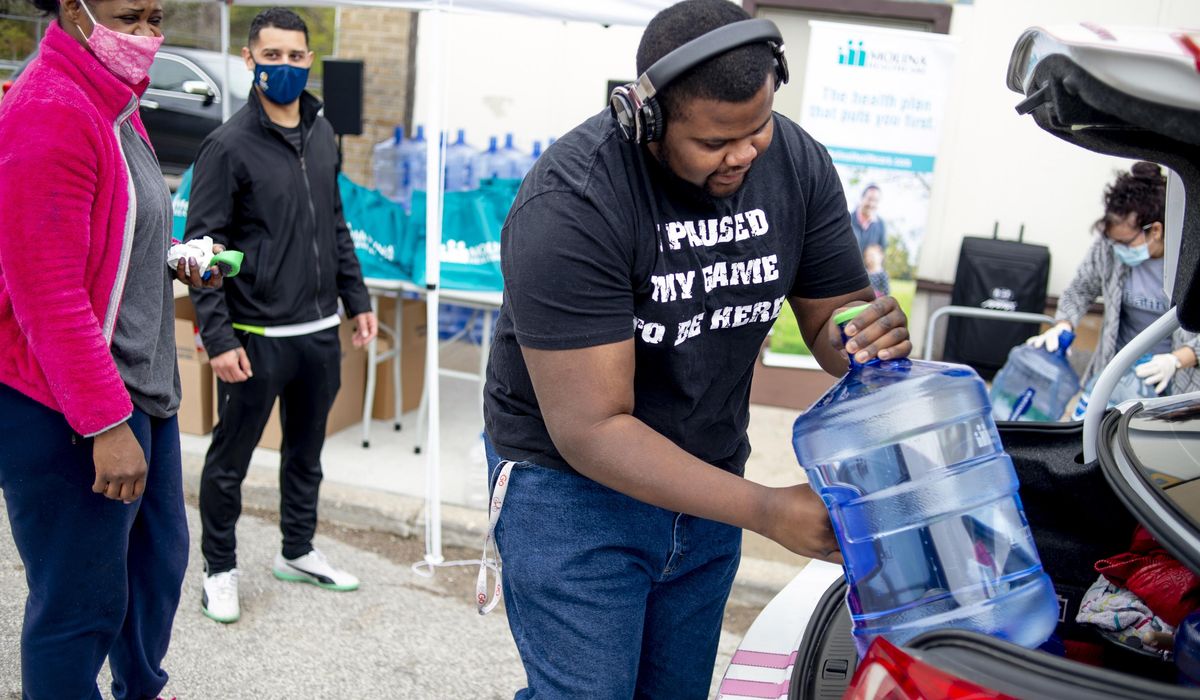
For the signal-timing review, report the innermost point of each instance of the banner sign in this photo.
(876, 98)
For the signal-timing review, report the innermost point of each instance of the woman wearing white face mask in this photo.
(1125, 265)
(89, 387)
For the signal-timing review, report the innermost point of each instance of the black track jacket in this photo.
(253, 191)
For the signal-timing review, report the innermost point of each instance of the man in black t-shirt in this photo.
(640, 283)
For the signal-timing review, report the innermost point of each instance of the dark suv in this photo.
(183, 102)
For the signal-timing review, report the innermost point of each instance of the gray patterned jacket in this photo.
(1101, 274)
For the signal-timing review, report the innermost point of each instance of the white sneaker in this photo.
(220, 601)
(314, 568)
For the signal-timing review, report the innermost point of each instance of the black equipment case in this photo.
(1000, 275)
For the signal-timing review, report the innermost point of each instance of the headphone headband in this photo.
(639, 118)
(705, 47)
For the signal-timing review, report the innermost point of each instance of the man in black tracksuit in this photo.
(265, 183)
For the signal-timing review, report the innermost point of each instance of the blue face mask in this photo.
(1132, 255)
(281, 84)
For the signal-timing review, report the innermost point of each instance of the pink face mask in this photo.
(128, 56)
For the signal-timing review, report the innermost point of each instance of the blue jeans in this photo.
(104, 577)
(608, 597)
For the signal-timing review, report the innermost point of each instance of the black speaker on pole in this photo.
(343, 85)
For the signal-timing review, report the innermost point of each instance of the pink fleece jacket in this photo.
(66, 224)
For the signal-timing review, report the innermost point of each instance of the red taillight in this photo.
(887, 673)
(7, 85)
(1191, 44)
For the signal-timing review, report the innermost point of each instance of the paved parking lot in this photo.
(399, 636)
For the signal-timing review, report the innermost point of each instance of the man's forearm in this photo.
(626, 455)
(213, 318)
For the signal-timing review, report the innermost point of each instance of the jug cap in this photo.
(1065, 338)
(846, 316)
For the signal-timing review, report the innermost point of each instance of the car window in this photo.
(166, 73)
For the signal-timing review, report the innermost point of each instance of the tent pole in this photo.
(433, 32)
(225, 95)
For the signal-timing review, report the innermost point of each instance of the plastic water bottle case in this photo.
(924, 503)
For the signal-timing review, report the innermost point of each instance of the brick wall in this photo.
(385, 40)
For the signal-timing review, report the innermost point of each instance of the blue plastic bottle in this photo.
(517, 162)
(458, 167)
(1129, 387)
(1035, 384)
(1187, 650)
(384, 161)
(924, 503)
(411, 157)
(490, 163)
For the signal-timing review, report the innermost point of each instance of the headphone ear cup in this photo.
(624, 113)
(652, 121)
(781, 66)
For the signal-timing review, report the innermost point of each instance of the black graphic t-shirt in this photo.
(604, 244)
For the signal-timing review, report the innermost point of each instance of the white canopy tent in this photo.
(628, 12)
(606, 12)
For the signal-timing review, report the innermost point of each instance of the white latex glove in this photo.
(1158, 370)
(201, 249)
(1049, 339)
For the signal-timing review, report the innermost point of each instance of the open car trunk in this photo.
(1077, 518)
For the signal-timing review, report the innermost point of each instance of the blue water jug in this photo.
(1129, 387)
(411, 157)
(1035, 384)
(384, 165)
(1187, 650)
(517, 162)
(924, 504)
(491, 163)
(459, 169)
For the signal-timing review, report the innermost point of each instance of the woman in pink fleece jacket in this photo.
(89, 388)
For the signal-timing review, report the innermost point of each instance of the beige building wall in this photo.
(385, 40)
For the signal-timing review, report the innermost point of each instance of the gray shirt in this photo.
(143, 343)
(293, 134)
(1143, 302)
(1101, 273)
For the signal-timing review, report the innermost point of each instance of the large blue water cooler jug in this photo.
(1035, 383)
(924, 503)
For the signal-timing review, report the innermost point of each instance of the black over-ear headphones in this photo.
(638, 114)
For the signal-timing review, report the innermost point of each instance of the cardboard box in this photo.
(195, 410)
(412, 359)
(186, 347)
(347, 407)
(195, 374)
(187, 335)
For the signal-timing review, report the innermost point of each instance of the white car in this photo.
(1134, 93)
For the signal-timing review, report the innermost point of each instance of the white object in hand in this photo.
(199, 249)
(1158, 370)
(1049, 339)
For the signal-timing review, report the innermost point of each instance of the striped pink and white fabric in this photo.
(757, 674)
